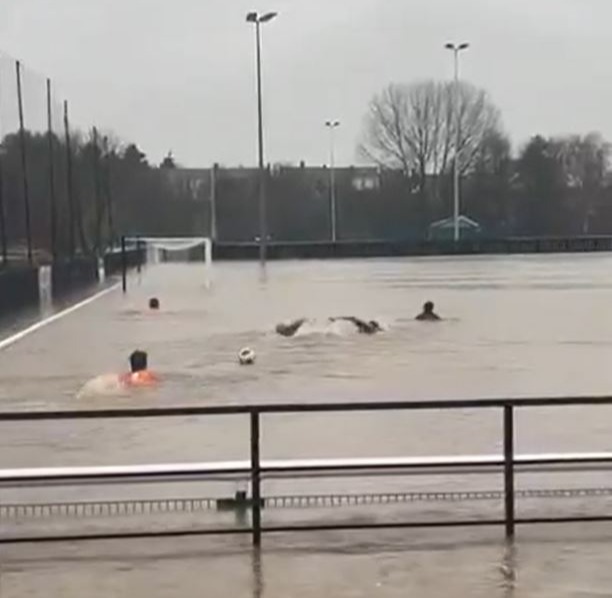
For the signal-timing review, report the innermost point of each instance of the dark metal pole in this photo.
(52, 196)
(2, 207)
(123, 265)
(3, 216)
(69, 185)
(213, 202)
(109, 193)
(456, 180)
(509, 470)
(263, 225)
(97, 191)
(24, 162)
(255, 479)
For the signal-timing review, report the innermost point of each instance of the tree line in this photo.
(548, 186)
(76, 194)
(558, 185)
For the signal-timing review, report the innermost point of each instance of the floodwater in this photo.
(514, 326)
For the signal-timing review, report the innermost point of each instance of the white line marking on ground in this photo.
(11, 340)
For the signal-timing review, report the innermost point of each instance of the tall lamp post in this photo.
(258, 20)
(332, 125)
(456, 49)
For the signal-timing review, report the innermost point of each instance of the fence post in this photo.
(123, 265)
(3, 237)
(213, 201)
(70, 185)
(109, 191)
(255, 479)
(509, 470)
(97, 190)
(52, 195)
(24, 162)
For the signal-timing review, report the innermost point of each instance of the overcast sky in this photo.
(179, 75)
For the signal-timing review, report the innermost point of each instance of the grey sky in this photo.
(180, 74)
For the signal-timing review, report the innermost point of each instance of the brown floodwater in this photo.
(514, 326)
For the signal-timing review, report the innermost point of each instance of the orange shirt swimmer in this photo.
(139, 375)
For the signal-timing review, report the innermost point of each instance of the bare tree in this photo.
(585, 161)
(412, 127)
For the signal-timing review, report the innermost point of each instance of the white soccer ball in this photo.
(246, 356)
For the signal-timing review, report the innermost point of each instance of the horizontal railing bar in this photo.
(321, 465)
(122, 472)
(277, 468)
(123, 536)
(299, 528)
(322, 527)
(286, 408)
(429, 524)
(568, 519)
(238, 531)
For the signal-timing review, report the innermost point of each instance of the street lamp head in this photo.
(267, 17)
(251, 17)
(457, 48)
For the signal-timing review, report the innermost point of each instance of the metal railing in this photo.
(257, 470)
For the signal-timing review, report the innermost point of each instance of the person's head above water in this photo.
(428, 313)
(139, 361)
(154, 303)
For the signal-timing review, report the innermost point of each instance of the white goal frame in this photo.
(153, 245)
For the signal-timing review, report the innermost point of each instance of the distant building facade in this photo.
(371, 203)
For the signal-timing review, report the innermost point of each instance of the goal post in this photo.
(156, 249)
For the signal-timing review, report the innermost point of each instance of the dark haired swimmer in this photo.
(371, 327)
(139, 361)
(154, 303)
(139, 374)
(428, 314)
(291, 328)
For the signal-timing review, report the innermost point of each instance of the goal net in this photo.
(172, 249)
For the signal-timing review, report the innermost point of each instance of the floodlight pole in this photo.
(258, 20)
(456, 49)
(332, 125)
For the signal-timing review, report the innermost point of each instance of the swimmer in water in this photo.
(371, 327)
(139, 374)
(291, 329)
(154, 303)
(428, 314)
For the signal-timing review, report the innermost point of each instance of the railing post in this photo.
(123, 265)
(509, 470)
(255, 479)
